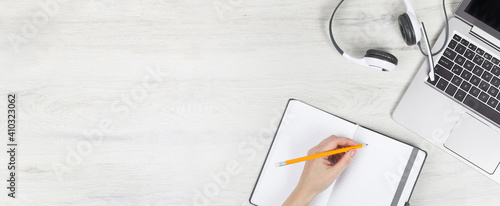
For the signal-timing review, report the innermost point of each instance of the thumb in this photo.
(345, 160)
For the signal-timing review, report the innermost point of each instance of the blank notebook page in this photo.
(373, 175)
(301, 128)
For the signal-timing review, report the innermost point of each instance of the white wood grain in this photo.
(227, 67)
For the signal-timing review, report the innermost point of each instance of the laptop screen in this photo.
(486, 11)
(482, 14)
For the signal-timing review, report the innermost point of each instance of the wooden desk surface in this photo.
(164, 102)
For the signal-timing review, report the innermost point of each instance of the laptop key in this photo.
(456, 80)
(495, 81)
(474, 91)
(472, 47)
(493, 91)
(460, 49)
(495, 70)
(483, 97)
(443, 72)
(452, 44)
(446, 63)
(459, 60)
(469, 54)
(456, 37)
(466, 75)
(436, 79)
(482, 109)
(478, 70)
(492, 102)
(484, 86)
(475, 80)
(480, 51)
(460, 95)
(465, 42)
(450, 54)
(465, 86)
(487, 65)
(495, 60)
(478, 60)
(487, 76)
(487, 56)
(469, 65)
(442, 84)
(457, 69)
(451, 90)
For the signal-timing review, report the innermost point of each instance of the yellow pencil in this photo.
(323, 154)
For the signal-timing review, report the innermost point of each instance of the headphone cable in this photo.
(331, 30)
(447, 33)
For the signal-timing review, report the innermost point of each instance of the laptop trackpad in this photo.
(476, 142)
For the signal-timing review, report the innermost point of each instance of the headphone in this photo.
(411, 31)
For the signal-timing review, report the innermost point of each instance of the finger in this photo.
(344, 161)
(333, 142)
(328, 141)
(333, 159)
(342, 141)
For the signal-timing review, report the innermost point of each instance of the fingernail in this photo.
(353, 152)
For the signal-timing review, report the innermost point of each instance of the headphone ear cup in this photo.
(407, 29)
(381, 55)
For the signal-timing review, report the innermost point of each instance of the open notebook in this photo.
(383, 173)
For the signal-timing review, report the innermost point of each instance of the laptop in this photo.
(459, 111)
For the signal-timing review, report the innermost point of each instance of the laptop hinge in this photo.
(485, 37)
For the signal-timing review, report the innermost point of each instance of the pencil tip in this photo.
(366, 145)
(279, 164)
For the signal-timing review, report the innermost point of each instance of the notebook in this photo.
(382, 173)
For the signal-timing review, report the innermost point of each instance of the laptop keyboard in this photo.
(471, 76)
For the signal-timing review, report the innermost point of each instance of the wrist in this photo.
(300, 196)
(307, 193)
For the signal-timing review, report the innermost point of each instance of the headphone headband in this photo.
(380, 60)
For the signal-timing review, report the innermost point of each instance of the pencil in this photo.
(323, 154)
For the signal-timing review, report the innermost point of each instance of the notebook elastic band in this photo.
(404, 178)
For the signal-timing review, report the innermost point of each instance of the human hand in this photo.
(319, 173)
